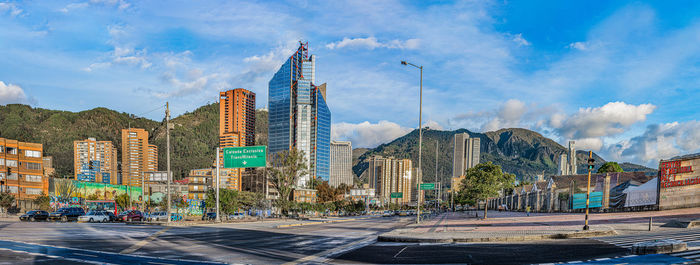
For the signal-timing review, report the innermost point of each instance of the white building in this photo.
(341, 163)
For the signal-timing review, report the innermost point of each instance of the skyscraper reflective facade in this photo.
(299, 116)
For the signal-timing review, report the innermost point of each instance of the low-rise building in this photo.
(21, 169)
(201, 180)
(304, 195)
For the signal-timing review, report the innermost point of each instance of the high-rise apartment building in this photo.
(95, 161)
(137, 156)
(236, 128)
(341, 163)
(567, 161)
(21, 169)
(390, 175)
(466, 154)
(299, 116)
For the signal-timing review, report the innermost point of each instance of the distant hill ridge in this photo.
(195, 137)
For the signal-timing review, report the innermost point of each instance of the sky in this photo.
(621, 78)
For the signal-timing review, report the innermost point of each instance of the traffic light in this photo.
(90, 166)
(591, 163)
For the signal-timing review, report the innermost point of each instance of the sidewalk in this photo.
(517, 226)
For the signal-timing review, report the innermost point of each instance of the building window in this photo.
(11, 163)
(30, 153)
(32, 178)
(32, 166)
(13, 189)
(11, 150)
(12, 176)
(32, 191)
(2, 149)
(2, 161)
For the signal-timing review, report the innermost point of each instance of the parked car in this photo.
(67, 214)
(36, 215)
(387, 214)
(157, 216)
(235, 216)
(130, 216)
(176, 217)
(94, 216)
(209, 216)
(112, 216)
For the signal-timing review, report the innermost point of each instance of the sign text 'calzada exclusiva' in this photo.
(245, 157)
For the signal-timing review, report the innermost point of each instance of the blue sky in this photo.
(621, 78)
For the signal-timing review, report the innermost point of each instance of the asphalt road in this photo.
(550, 251)
(250, 243)
(349, 242)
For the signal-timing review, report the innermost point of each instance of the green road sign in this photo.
(396, 195)
(244, 157)
(427, 186)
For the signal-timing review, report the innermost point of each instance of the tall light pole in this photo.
(420, 139)
(591, 164)
(167, 154)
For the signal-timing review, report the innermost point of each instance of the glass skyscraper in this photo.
(299, 117)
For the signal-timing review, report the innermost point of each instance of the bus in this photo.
(106, 205)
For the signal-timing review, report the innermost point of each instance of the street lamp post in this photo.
(591, 164)
(420, 139)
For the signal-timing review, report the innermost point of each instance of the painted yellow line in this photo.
(142, 243)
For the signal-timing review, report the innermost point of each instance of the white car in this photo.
(157, 216)
(94, 216)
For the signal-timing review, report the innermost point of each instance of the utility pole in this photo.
(439, 198)
(218, 217)
(588, 186)
(420, 140)
(167, 154)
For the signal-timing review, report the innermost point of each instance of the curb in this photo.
(578, 234)
(322, 222)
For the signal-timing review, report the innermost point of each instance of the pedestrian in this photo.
(527, 210)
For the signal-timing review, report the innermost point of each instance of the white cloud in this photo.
(11, 7)
(581, 46)
(10, 93)
(366, 134)
(434, 125)
(73, 6)
(510, 114)
(611, 119)
(659, 141)
(121, 4)
(518, 38)
(372, 43)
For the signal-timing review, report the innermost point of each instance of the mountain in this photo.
(518, 151)
(193, 139)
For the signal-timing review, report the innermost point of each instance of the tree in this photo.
(326, 193)
(610, 167)
(122, 200)
(483, 181)
(6, 201)
(229, 200)
(287, 167)
(43, 202)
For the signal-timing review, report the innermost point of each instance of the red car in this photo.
(129, 216)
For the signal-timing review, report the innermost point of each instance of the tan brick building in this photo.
(21, 169)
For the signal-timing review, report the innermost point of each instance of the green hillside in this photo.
(519, 151)
(195, 137)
